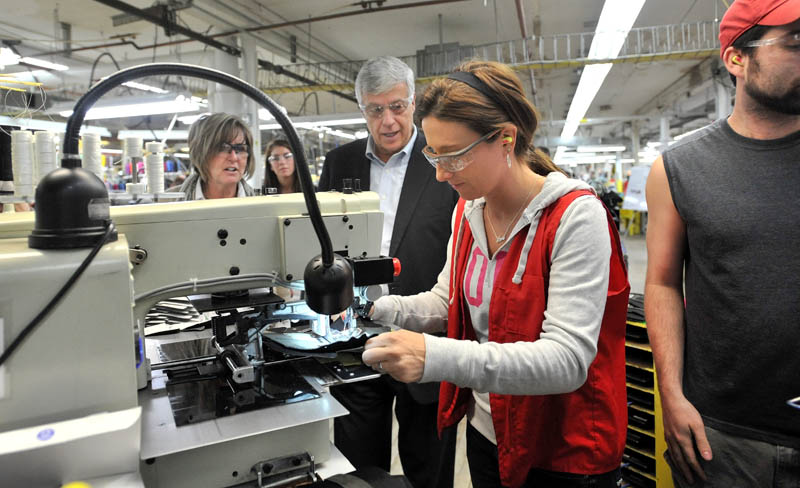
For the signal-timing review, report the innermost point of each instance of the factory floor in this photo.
(637, 266)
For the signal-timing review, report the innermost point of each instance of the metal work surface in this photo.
(161, 437)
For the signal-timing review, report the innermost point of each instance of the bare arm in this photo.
(664, 313)
(666, 234)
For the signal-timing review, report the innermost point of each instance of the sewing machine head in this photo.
(226, 254)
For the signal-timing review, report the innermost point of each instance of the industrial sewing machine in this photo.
(79, 397)
(75, 398)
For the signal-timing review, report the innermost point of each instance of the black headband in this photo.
(470, 79)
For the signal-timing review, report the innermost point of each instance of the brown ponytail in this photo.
(456, 101)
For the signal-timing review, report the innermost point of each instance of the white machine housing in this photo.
(82, 361)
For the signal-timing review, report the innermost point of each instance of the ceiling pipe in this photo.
(523, 28)
(258, 38)
(340, 15)
(196, 37)
(209, 41)
(322, 55)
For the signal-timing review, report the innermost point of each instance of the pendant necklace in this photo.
(501, 238)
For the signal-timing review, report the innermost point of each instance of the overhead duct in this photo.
(196, 36)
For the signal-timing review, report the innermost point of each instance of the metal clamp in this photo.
(284, 470)
(137, 255)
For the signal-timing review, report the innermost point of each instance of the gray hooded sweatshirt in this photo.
(559, 360)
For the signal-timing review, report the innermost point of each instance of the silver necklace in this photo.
(513, 220)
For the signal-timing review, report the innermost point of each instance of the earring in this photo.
(508, 159)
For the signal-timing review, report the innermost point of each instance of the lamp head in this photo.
(72, 210)
(329, 289)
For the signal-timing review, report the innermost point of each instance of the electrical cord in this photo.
(191, 286)
(57, 298)
(102, 87)
(97, 60)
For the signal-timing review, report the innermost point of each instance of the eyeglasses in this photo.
(791, 41)
(240, 149)
(375, 111)
(277, 157)
(457, 160)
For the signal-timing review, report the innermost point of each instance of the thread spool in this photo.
(22, 162)
(132, 153)
(154, 167)
(92, 159)
(45, 153)
(136, 188)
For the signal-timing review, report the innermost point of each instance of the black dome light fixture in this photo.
(72, 206)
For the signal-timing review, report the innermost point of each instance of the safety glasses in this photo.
(240, 149)
(457, 160)
(792, 41)
(278, 157)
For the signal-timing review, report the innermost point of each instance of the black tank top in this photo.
(740, 201)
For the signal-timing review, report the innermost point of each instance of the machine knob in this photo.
(397, 266)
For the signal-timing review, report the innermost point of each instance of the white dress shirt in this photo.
(386, 179)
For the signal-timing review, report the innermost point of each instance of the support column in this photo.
(250, 58)
(635, 141)
(220, 97)
(618, 172)
(664, 133)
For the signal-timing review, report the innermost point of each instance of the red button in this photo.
(397, 266)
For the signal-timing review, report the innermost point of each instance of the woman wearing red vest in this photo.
(533, 297)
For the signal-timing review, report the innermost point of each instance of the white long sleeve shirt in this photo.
(559, 360)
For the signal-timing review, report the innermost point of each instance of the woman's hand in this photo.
(400, 353)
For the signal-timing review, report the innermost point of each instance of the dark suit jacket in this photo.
(421, 227)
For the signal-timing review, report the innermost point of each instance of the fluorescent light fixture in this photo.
(314, 121)
(560, 150)
(264, 114)
(317, 125)
(335, 122)
(591, 80)
(191, 119)
(342, 134)
(360, 134)
(181, 155)
(144, 87)
(8, 57)
(593, 160)
(37, 124)
(155, 135)
(133, 108)
(41, 63)
(110, 151)
(321, 125)
(616, 20)
(601, 148)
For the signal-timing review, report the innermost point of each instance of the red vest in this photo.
(581, 432)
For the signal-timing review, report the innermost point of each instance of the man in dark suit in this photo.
(417, 212)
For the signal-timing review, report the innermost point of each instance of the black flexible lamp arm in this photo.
(71, 159)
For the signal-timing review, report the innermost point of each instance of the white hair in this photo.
(381, 74)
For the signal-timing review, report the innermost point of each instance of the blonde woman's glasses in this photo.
(239, 149)
(456, 160)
